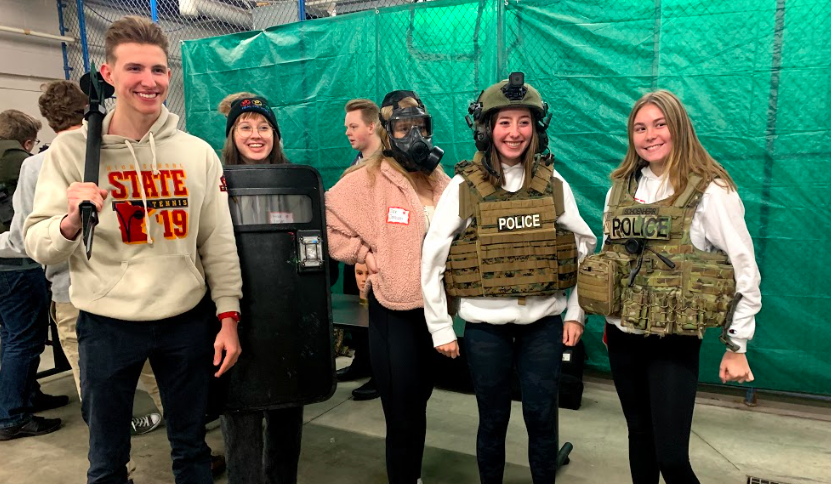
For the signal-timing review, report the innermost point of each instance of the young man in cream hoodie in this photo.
(164, 231)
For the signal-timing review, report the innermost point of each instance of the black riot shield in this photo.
(286, 329)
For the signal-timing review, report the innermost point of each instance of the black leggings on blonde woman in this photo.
(401, 351)
(656, 380)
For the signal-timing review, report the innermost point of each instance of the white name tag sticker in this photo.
(280, 217)
(397, 215)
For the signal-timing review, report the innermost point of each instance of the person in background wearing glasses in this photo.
(261, 446)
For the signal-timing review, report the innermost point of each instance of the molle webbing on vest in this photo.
(686, 299)
(512, 247)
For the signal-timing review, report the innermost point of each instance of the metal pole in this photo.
(301, 10)
(154, 11)
(501, 55)
(82, 27)
(66, 67)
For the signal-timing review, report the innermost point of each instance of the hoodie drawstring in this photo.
(141, 182)
(153, 166)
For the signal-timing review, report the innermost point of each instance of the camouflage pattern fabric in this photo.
(687, 299)
(513, 247)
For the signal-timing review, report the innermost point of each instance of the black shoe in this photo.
(34, 427)
(43, 402)
(352, 373)
(217, 464)
(367, 391)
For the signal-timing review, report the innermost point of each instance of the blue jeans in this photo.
(24, 305)
(112, 354)
(263, 455)
(536, 351)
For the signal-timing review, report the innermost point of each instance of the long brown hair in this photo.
(528, 157)
(373, 163)
(687, 156)
(230, 152)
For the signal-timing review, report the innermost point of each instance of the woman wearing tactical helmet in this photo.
(505, 239)
(262, 446)
(677, 258)
(378, 214)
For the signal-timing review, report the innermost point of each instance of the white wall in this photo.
(26, 62)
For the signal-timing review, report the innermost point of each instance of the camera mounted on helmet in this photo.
(515, 90)
(509, 93)
(410, 130)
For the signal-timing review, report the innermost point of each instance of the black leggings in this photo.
(656, 380)
(401, 350)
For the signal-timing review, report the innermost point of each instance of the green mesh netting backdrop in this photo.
(755, 77)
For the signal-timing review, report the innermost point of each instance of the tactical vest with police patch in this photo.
(649, 274)
(513, 247)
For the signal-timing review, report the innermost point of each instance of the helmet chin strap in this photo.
(486, 162)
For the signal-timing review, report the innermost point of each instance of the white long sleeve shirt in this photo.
(718, 223)
(447, 225)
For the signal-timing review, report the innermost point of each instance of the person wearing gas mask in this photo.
(677, 259)
(378, 214)
(261, 446)
(506, 239)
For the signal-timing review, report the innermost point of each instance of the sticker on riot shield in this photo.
(280, 217)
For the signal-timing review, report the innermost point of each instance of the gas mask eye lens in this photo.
(402, 127)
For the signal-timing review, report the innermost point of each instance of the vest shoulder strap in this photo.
(476, 176)
(559, 200)
(465, 203)
(619, 188)
(542, 177)
(693, 188)
(462, 166)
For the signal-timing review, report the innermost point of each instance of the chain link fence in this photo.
(754, 76)
(87, 20)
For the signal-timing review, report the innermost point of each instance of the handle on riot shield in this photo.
(310, 250)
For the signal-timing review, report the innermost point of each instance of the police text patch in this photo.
(641, 227)
(518, 222)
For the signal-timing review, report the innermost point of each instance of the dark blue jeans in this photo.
(265, 454)
(536, 351)
(24, 305)
(112, 353)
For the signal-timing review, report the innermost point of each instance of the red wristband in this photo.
(229, 314)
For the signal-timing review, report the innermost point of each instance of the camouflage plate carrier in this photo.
(513, 247)
(633, 278)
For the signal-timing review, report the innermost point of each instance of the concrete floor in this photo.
(343, 442)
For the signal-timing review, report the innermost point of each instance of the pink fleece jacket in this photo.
(386, 218)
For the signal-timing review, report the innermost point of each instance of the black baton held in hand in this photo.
(94, 85)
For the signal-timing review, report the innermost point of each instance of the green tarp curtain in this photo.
(755, 77)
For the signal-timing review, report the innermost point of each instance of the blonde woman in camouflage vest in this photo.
(505, 239)
(677, 258)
